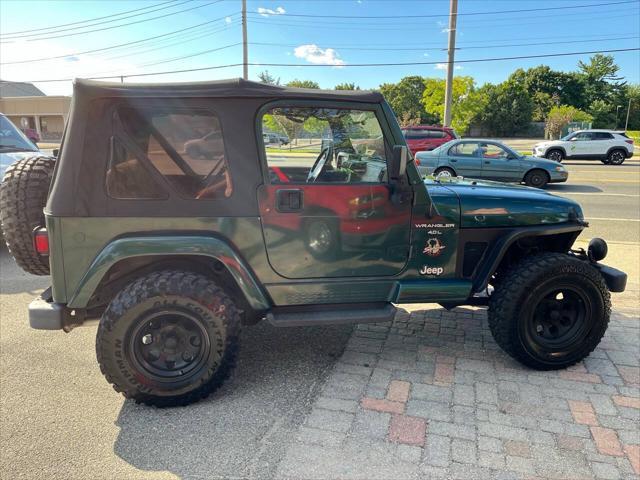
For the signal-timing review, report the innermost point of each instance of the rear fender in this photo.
(130, 247)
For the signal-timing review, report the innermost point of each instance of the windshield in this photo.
(569, 137)
(12, 139)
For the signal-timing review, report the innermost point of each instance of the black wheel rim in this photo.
(555, 155)
(169, 345)
(536, 180)
(616, 158)
(559, 322)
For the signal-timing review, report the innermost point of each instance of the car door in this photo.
(326, 207)
(600, 143)
(500, 164)
(465, 158)
(580, 145)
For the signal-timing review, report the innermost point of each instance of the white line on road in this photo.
(614, 219)
(600, 194)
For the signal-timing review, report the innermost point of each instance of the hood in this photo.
(8, 158)
(541, 162)
(493, 204)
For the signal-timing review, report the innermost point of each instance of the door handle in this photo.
(487, 161)
(289, 200)
(453, 160)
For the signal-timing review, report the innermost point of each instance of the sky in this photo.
(142, 37)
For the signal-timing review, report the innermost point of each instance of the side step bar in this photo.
(331, 314)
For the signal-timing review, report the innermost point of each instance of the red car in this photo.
(421, 138)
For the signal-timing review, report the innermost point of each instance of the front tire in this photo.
(445, 172)
(321, 239)
(536, 178)
(616, 157)
(168, 339)
(550, 311)
(555, 155)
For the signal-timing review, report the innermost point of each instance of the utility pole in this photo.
(245, 53)
(453, 18)
(626, 124)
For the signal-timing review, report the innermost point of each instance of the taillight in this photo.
(629, 141)
(41, 241)
(417, 161)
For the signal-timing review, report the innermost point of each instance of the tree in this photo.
(466, 101)
(405, 99)
(560, 116)
(601, 82)
(346, 86)
(508, 108)
(603, 113)
(631, 92)
(303, 84)
(266, 77)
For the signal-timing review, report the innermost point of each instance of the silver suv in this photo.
(608, 146)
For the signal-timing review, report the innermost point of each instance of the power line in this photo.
(123, 25)
(87, 20)
(393, 64)
(95, 50)
(524, 10)
(420, 49)
(175, 59)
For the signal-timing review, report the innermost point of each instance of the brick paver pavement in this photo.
(432, 396)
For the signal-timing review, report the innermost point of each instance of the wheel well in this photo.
(561, 149)
(613, 149)
(128, 269)
(523, 247)
(445, 167)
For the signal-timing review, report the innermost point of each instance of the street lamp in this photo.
(618, 107)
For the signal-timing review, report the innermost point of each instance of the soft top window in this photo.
(186, 147)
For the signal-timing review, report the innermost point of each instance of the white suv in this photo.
(608, 146)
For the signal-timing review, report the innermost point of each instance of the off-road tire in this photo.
(536, 178)
(23, 194)
(616, 157)
(555, 154)
(444, 169)
(168, 293)
(513, 303)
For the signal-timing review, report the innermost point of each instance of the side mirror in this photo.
(398, 165)
(56, 152)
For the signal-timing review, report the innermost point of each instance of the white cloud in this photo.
(267, 12)
(443, 66)
(426, 54)
(227, 20)
(314, 54)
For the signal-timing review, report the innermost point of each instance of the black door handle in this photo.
(487, 161)
(289, 200)
(453, 160)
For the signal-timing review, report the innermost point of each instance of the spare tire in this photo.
(23, 194)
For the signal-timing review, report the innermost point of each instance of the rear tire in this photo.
(536, 178)
(616, 157)
(550, 311)
(23, 195)
(168, 339)
(555, 155)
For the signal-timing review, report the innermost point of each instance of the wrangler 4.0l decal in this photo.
(434, 225)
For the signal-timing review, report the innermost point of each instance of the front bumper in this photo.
(615, 279)
(558, 177)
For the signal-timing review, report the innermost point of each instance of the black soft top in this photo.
(231, 88)
(78, 188)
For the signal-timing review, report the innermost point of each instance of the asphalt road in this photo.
(60, 419)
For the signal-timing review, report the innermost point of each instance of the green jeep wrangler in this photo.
(171, 222)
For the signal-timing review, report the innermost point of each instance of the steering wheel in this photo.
(319, 164)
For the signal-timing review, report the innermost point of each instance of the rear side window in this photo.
(469, 149)
(601, 136)
(185, 147)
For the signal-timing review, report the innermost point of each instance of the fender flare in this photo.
(618, 147)
(129, 247)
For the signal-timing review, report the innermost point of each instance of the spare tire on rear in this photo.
(23, 194)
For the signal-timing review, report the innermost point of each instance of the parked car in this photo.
(489, 160)
(32, 134)
(608, 146)
(14, 145)
(422, 138)
(275, 139)
(173, 275)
